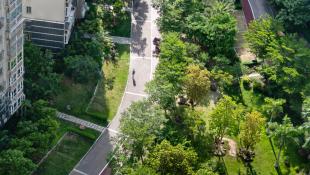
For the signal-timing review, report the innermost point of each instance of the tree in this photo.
(261, 33)
(197, 83)
(4, 139)
(216, 31)
(12, 162)
(140, 125)
(163, 93)
(38, 110)
(293, 12)
(169, 159)
(251, 130)
(223, 118)
(282, 133)
(82, 68)
(273, 107)
(167, 83)
(224, 121)
(40, 79)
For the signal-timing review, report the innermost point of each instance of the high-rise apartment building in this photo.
(11, 58)
(49, 23)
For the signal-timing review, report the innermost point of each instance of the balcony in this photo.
(69, 23)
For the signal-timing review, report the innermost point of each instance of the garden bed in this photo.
(65, 156)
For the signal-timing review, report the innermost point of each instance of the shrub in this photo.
(258, 86)
(246, 83)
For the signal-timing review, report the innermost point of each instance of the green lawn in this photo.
(74, 98)
(65, 156)
(112, 87)
(252, 99)
(265, 158)
(123, 26)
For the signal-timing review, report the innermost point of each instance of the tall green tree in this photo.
(282, 134)
(169, 159)
(293, 12)
(197, 83)
(261, 33)
(251, 132)
(12, 162)
(273, 107)
(140, 125)
(40, 79)
(82, 68)
(224, 118)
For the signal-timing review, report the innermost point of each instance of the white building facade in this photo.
(11, 58)
(49, 23)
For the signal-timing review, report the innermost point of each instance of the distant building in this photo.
(49, 23)
(254, 9)
(11, 58)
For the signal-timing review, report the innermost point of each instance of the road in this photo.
(260, 8)
(143, 63)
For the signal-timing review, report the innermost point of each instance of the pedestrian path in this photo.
(141, 69)
(78, 121)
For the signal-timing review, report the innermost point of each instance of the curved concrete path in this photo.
(142, 62)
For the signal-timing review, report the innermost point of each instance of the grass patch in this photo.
(262, 164)
(74, 98)
(264, 161)
(112, 87)
(65, 156)
(252, 99)
(122, 27)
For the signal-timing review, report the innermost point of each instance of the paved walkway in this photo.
(143, 64)
(78, 121)
(121, 40)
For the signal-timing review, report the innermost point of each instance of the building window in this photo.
(12, 64)
(28, 10)
(28, 36)
(20, 56)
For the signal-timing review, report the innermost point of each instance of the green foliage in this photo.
(82, 68)
(169, 159)
(40, 79)
(12, 162)
(169, 72)
(4, 139)
(246, 81)
(293, 12)
(197, 83)
(98, 46)
(273, 108)
(216, 32)
(140, 125)
(251, 130)
(224, 118)
(260, 34)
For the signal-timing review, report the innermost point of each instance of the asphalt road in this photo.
(143, 64)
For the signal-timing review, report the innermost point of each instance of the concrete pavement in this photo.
(143, 64)
(78, 121)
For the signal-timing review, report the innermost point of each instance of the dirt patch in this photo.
(232, 147)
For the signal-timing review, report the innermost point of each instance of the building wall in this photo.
(247, 11)
(47, 10)
(49, 23)
(11, 80)
(45, 34)
(254, 9)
